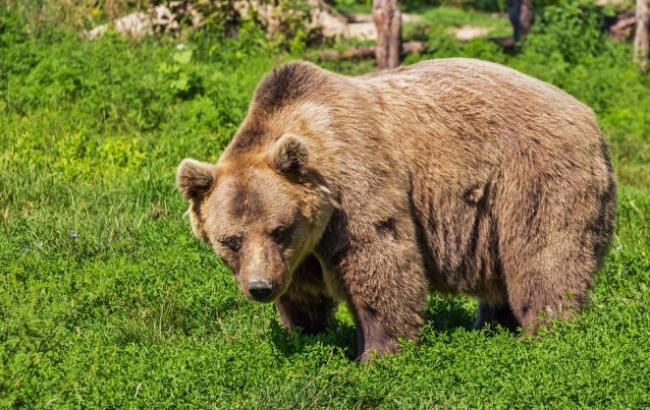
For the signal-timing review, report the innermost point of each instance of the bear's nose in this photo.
(260, 289)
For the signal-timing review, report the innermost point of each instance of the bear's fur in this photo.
(454, 175)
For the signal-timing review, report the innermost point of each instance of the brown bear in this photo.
(451, 175)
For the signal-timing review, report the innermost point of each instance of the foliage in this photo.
(107, 300)
(444, 19)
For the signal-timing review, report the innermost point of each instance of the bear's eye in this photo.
(282, 234)
(232, 242)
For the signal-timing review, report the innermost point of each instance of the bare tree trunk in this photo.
(388, 20)
(521, 16)
(526, 16)
(642, 36)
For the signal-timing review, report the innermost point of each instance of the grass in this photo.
(449, 17)
(107, 300)
(441, 19)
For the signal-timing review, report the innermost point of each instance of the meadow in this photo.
(108, 301)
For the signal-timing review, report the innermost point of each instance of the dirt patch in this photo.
(466, 33)
(362, 27)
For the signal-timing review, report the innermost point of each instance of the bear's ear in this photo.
(194, 178)
(289, 155)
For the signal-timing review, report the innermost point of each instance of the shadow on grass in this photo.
(442, 316)
(341, 336)
(445, 315)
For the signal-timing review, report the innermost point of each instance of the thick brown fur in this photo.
(456, 176)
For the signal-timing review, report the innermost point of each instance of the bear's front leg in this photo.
(380, 324)
(385, 286)
(374, 336)
(306, 305)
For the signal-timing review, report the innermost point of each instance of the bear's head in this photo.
(262, 212)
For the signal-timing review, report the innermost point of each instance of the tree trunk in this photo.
(521, 16)
(388, 20)
(642, 36)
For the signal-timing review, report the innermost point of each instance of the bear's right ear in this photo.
(194, 178)
(289, 155)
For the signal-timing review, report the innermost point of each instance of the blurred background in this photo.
(200, 59)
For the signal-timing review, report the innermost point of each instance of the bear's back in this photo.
(481, 115)
(483, 98)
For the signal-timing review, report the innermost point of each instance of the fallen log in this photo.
(171, 16)
(157, 19)
(367, 52)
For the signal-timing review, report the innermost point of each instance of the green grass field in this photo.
(108, 301)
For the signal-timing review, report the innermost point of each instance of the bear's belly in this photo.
(459, 241)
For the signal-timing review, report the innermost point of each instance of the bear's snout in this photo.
(260, 290)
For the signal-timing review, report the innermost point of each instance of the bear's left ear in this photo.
(194, 178)
(289, 155)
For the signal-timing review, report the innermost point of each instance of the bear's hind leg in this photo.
(550, 287)
(496, 315)
(553, 241)
(312, 314)
(536, 301)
